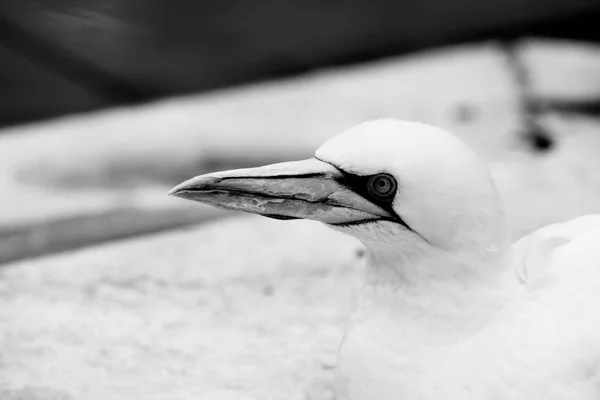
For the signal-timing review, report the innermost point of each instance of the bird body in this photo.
(450, 309)
(543, 342)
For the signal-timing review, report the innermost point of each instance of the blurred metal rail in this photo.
(54, 236)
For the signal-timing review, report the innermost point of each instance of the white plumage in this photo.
(450, 308)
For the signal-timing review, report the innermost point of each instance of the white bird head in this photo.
(386, 182)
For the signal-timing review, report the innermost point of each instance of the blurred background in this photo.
(107, 104)
(242, 82)
(60, 56)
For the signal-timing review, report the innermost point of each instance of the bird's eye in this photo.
(382, 186)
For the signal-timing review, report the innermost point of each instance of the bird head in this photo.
(386, 182)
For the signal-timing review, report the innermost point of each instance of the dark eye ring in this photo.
(382, 186)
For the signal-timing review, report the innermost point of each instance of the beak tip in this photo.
(191, 184)
(176, 190)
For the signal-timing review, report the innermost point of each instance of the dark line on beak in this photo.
(279, 217)
(240, 193)
(355, 223)
(354, 182)
(310, 175)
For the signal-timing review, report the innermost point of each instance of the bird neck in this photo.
(434, 296)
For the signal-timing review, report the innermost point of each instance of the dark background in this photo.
(65, 56)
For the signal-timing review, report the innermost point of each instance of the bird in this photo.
(450, 307)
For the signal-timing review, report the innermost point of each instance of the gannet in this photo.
(450, 309)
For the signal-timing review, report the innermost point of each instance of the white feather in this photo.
(451, 310)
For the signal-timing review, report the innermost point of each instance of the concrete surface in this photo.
(247, 308)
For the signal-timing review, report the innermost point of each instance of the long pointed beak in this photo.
(308, 189)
